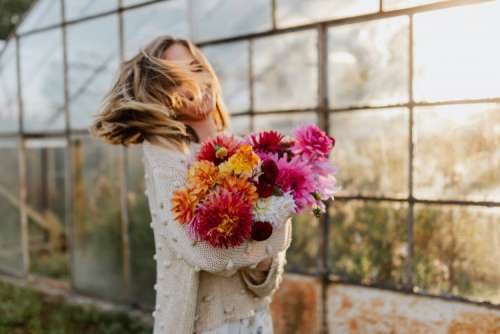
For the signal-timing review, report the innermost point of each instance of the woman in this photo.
(168, 99)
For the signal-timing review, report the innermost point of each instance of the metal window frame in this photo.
(322, 111)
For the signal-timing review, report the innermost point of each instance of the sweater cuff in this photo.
(272, 280)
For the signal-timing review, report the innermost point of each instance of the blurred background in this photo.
(409, 89)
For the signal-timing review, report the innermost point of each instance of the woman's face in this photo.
(191, 111)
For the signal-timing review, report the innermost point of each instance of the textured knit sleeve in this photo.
(166, 170)
(274, 275)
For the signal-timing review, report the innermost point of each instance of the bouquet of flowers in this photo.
(241, 189)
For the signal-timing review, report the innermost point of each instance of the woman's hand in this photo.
(258, 274)
(195, 112)
(265, 264)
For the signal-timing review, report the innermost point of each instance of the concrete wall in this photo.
(297, 304)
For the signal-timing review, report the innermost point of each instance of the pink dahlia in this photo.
(223, 218)
(267, 142)
(296, 175)
(312, 142)
(218, 149)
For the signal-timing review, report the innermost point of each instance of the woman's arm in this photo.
(266, 277)
(166, 171)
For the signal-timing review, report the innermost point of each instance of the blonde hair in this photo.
(142, 104)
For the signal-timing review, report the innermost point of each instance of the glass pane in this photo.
(398, 4)
(457, 152)
(368, 241)
(230, 62)
(298, 12)
(96, 219)
(457, 251)
(80, 8)
(133, 2)
(44, 13)
(9, 122)
(240, 125)
(371, 152)
(48, 246)
(213, 19)
(11, 254)
(142, 245)
(302, 256)
(283, 122)
(42, 81)
(145, 23)
(454, 61)
(368, 63)
(92, 63)
(285, 71)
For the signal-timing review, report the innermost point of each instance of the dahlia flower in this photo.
(267, 142)
(274, 209)
(218, 149)
(183, 205)
(296, 175)
(201, 176)
(242, 162)
(223, 219)
(241, 185)
(311, 142)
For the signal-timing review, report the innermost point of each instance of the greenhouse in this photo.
(409, 89)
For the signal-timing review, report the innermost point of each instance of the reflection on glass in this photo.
(142, 244)
(371, 153)
(80, 8)
(298, 12)
(454, 60)
(398, 4)
(42, 81)
(96, 219)
(46, 208)
(9, 122)
(240, 125)
(368, 241)
(92, 62)
(143, 24)
(457, 152)
(285, 71)
(457, 251)
(368, 63)
(230, 62)
(43, 14)
(11, 254)
(219, 18)
(283, 122)
(302, 256)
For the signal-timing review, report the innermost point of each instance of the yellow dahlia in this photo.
(242, 162)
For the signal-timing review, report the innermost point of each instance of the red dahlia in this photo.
(224, 218)
(218, 149)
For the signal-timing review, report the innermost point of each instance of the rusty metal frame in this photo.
(322, 110)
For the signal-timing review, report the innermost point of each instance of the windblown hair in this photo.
(142, 103)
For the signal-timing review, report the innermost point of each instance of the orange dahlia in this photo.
(183, 205)
(202, 175)
(241, 185)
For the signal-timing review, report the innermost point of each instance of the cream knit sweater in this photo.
(200, 287)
